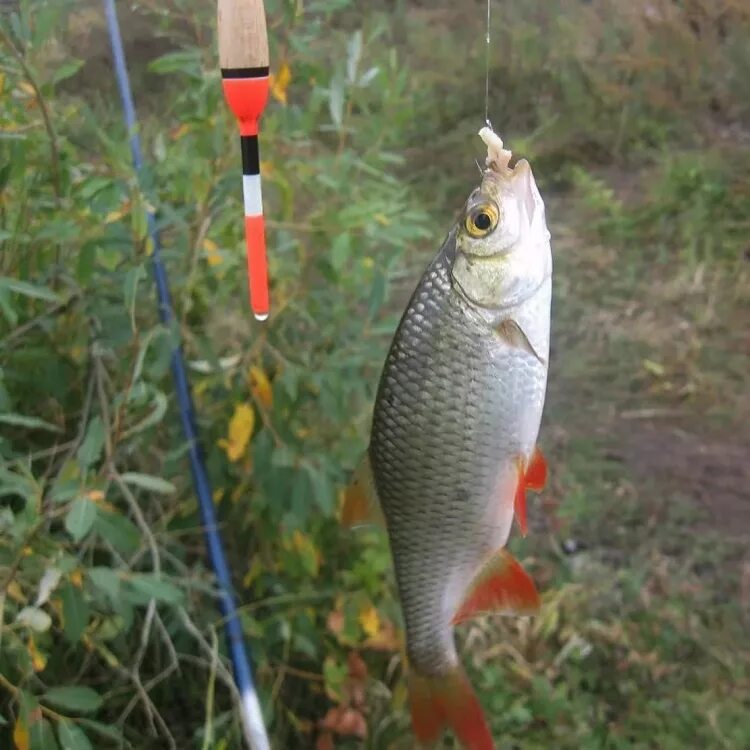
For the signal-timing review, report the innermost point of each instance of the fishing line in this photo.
(487, 67)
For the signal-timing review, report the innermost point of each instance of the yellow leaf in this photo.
(113, 216)
(369, 620)
(76, 578)
(27, 88)
(240, 431)
(310, 556)
(21, 735)
(253, 572)
(368, 262)
(178, 132)
(14, 592)
(653, 368)
(260, 387)
(38, 660)
(95, 496)
(213, 256)
(279, 82)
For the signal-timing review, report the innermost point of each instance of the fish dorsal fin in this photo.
(502, 586)
(513, 334)
(361, 505)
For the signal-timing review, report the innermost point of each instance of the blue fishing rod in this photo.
(252, 718)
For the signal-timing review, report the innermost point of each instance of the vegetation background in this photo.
(636, 119)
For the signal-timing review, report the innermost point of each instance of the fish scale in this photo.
(426, 412)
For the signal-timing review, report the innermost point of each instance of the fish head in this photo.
(503, 250)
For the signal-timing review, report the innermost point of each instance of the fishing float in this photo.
(243, 56)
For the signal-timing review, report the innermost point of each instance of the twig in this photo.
(192, 628)
(208, 731)
(14, 691)
(140, 519)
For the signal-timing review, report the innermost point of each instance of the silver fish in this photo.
(453, 441)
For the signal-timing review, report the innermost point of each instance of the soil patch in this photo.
(711, 470)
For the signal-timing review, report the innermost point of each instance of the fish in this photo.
(453, 442)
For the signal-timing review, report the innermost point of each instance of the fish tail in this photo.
(448, 700)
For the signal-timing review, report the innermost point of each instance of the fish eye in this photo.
(481, 219)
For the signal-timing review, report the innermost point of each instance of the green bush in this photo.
(104, 583)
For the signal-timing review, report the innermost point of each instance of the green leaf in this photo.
(324, 492)
(130, 287)
(66, 70)
(106, 580)
(75, 612)
(6, 305)
(91, 447)
(24, 288)
(79, 699)
(42, 736)
(105, 730)
(80, 518)
(33, 423)
(118, 530)
(154, 587)
(149, 482)
(72, 737)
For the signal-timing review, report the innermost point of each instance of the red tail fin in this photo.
(448, 701)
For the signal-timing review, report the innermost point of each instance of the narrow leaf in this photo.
(153, 587)
(91, 447)
(75, 612)
(32, 423)
(72, 737)
(79, 699)
(80, 518)
(24, 288)
(149, 482)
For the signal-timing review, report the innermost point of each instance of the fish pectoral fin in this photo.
(513, 334)
(361, 506)
(531, 476)
(502, 586)
(447, 700)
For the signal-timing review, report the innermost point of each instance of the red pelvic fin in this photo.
(519, 501)
(536, 471)
(530, 477)
(502, 586)
(448, 701)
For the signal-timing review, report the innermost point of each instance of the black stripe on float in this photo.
(244, 72)
(250, 155)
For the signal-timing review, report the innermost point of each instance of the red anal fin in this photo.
(448, 701)
(502, 586)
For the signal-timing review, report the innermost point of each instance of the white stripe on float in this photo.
(251, 194)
